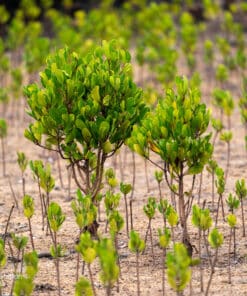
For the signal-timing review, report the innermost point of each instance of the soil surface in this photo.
(145, 186)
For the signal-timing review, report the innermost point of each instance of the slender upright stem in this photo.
(91, 279)
(163, 272)
(212, 272)
(137, 274)
(146, 174)
(126, 215)
(134, 175)
(7, 224)
(242, 211)
(229, 258)
(131, 214)
(3, 157)
(31, 233)
(201, 269)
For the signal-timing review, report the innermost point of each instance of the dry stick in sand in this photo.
(7, 224)
(13, 193)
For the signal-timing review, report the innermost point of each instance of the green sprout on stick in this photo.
(22, 162)
(136, 245)
(241, 191)
(55, 219)
(28, 205)
(3, 134)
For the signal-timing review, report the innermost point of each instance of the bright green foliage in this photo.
(19, 242)
(215, 238)
(241, 189)
(22, 161)
(47, 182)
(163, 206)
(56, 251)
(108, 262)
(212, 165)
(55, 216)
(223, 100)
(83, 288)
(232, 220)
(136, 244)
(172, 216)
(158, 176)
(226, 136)
(201, 218)
(208, 52)
(3, 258)
(125, 188)
(178, 267)
(150, 207)
(3, 128)
(232, 202)
(4, 14)
(28, 205)
(84, 210)
(110, 177)
(220, 182)
(87, 247)
(16, 82)
(221, 73)
(175, 130)
(111, 201)
(217, 124)
(31, 263)
(164, 237)
(23, 286)
(37, 167)
(86, 108)
(116, 222)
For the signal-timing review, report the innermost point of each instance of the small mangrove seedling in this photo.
(3, 134)
(111, 203)
(172, 218)
(24, 285)
(55, 219)
(215, 239)
(87, 249)
(3, 260)
(109, 273)
(36, 167)
(227, 137)
(137, 246)
(125, 189)
(218, 127)
(149, 210)
(19, 243)
(178, 268)
(232, 221)
(22, 162)
(211, 167)
(202, 220)
(241, 191)
(162, 207)
(220, 185)
(28, 205)
(83, 287)
(164, 240)
(159, 178)
(233, 204)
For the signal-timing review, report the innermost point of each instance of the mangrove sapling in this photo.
(125, 189)
(218, 127)
(19, 242)
(22, 162)
(162, 207)
(215, 239)
(227, 137)
(36, 167)
(175, 131)
(28, 208)
(233, 204)
(85, 213)
(87, 248)
(172, 218)
(220, 185)
(111, 201)
(149, 210)
(87, 108)
(241, 191)
(83, 287)
(3, 134)
(24, 285)
(232, 220)
(164, 240)
(178, 268)
(159, 177)
(116, 223)
(47, 183)
(211, 167)
(109, 273)
(137, 246)
(55, 219)
(221, 74)
(202, 220)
